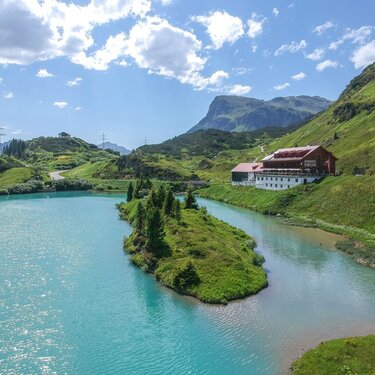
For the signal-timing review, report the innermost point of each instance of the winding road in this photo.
(55, 175)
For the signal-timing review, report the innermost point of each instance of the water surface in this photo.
(71, 303)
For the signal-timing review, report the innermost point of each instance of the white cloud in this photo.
(357, 36)
(323, 28)
(255, 24)
(364, 55)
(299, 76)
(164, 49)
(221, 27)
(241, 71)
(282, 86)
(275, 11)
(8, 95)
(77, 109)
(74, 82)
(165, 2)
(44, 73)
(291, 48)
(60, 104)
(17, 132)
(32, 30)
(1, 80)
(100, 59)
(316, 55)
(326, 64)
(239, 89)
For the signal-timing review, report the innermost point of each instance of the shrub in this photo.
(4, 192)
(72, 184)
(32, 186)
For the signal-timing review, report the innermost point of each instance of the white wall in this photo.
(275, 182)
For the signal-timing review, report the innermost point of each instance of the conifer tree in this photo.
(137, 189)
(176, 210)
(129, 195)
(140, 218)
(190, 201)
(168, 203)
(154, 231)
(160, 196)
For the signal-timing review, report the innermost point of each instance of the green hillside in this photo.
(15, 176)
(347, 128)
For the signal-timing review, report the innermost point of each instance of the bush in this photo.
(4, 192)
(32, 186)
(186, 277)
(72, 184)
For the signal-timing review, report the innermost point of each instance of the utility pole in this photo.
(103, 139)
(145, 140)
(1, 133)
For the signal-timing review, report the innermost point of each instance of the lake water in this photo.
(71, 302)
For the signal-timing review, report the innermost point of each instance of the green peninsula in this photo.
(189, 250)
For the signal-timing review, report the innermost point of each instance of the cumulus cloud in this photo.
(291, 48)
(100, 59)
(74, 82)
(357, 36)
(221, 27)
(282, 86)
(164, 49)
(316, 55)
(44, 73)
(299, 76)
(364, 55)
(77, 109)
(60, 105)
(275, 12)
(255, 24)
(239, 89)
(32, 31)
(323, 28)
(326, 64)
(8, 95)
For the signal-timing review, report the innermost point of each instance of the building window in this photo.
(266, 184)
(266, 178)
(296, 179)
(288, 179)
(271, 179)
(276, 178)
(275, 185)
(271, 185)
(262, 178)
(288, 186)
(281, 179)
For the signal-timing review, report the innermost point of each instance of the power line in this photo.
(103, 139)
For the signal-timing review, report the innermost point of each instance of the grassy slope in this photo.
(354, 355)
(345, 201)
(14, 176)
(224, 264)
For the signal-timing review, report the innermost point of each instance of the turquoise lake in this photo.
(72, 303)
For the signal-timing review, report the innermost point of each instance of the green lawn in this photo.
(15, 176)
(223, 256)
(350, 356)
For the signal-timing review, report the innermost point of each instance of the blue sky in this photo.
(150, 68)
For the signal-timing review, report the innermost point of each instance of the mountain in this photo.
(346, 128)
(2, 145)
(238, 113)
(115, 147)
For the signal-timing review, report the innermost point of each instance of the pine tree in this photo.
(137, 189)
(190, 201)
(129, 195)
(168, 203)
(176, 210)
(160, 196)
(154, 231)
(140, 217)
(336, 136)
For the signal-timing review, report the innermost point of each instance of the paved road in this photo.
(55, 175)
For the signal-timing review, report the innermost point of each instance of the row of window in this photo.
(276, 179)
(277, 186)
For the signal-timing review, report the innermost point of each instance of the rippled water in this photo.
(71, 303)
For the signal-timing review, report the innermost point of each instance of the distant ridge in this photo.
(115, 147)
(2, 146)
(238, 113)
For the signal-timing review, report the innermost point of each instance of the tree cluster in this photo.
(16, 147)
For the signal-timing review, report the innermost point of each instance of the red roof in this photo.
(292, 153)
(248, 167)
